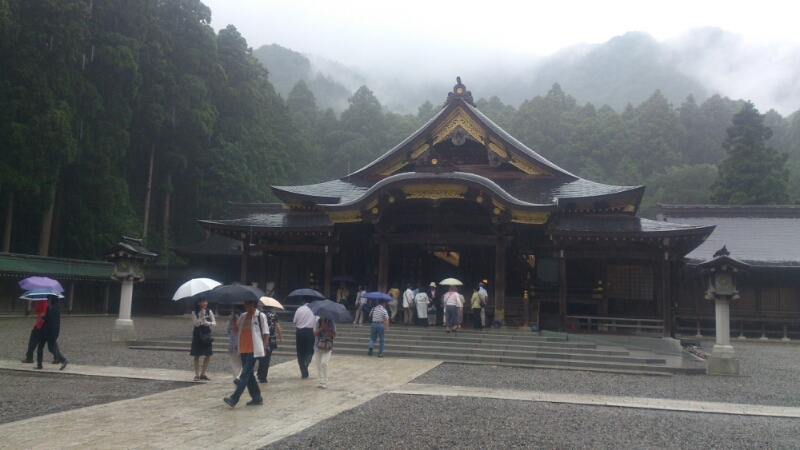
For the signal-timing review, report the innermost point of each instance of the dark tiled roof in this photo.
(336, 191)
(566, 224)
(132, 246)
(670, 211)
(757, 241)
(548, 190)
(283, 220)
(215, 245)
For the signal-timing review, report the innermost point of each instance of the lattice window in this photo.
(633, 282)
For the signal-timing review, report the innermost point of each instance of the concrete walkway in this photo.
(196, 417)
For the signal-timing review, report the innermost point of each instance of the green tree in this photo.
(752, 174)
(678, 185)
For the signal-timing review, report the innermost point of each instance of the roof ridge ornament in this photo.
(460, 92)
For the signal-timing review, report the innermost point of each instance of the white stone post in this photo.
(723, 360)
(123, 327)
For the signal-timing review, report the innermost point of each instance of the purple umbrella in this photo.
(40, 283)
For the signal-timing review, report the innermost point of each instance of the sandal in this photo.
(204, 378)
(196, 378)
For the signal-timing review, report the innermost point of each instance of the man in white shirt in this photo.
(253, 341)
(408, 305)
(304, 320)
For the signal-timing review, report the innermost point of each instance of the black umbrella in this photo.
(230, 294)
(308, 295)
(331, 311)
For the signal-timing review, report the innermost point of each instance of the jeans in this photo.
(247, 379)
(375, 331)
(451, 315)
(263, 365)
(304, 341)
(52, 347)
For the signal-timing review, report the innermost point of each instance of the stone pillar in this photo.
(123, 328)
(723, 360)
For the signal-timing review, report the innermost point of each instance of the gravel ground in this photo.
(460, 422)
(26, 394)
(86, 340)
(771, 377)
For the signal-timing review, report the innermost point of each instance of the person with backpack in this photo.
(202, 339)
(324, 331)
(275, 333)
(253, 341)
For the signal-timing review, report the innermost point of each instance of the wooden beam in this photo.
(450, 219)
(656, 255)
(463, 239)
(276, 248)
(665, 293)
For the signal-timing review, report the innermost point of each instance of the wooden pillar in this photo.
(328, 272)
(262, 276)
(666, 297)
(526, 309)
(562, 290)
(383, 266)
(71, 295)
(105, 297)
(500, 277)
(245, 257)
(604, 286)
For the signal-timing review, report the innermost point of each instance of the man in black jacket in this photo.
(49, 334)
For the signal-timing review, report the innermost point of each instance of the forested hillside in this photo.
(137, 118)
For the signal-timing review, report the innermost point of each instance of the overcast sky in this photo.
(360, 31)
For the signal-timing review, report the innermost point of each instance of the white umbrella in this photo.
(269, 301)
(451, 282)
(195, 286)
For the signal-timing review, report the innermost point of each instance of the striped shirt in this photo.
(379, 314)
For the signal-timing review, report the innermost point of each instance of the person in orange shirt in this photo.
(39, 307)
(253, 342)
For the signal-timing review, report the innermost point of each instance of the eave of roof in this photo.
(621, 225)
(280, 222)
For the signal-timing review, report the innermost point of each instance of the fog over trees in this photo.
(137, 118)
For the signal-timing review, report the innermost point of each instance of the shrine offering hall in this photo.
(462, 198)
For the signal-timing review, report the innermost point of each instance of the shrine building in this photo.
(462, 198)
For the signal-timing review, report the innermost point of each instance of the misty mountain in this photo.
(625, 69)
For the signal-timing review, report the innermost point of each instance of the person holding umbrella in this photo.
(51, 328)
(253, 341)
(40, 308)
(304, 321)
(379, 327)
(203, 320)
(452, 303)
(324, 331)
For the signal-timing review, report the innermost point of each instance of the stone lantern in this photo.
(128, 257)
(722, 273)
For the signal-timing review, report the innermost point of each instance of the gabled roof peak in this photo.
(459, 92)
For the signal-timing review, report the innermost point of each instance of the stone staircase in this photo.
(508, 347)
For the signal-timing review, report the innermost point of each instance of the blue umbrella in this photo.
(377, 296)
(40, 294)
(331, 311)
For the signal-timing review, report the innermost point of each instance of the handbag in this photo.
(206, 338)
(325, 342)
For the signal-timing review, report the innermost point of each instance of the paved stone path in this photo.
(196, 417)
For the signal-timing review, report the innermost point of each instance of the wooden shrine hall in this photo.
(462, 198)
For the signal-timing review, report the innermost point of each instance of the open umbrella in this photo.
(40, 294)
(269, 301)
(451, 282)
(194, 287)
(40, 283)
(230, 294)
(331, 311)
(377, 296)
(309, 295)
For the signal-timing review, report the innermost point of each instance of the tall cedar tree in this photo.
(753, 174)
